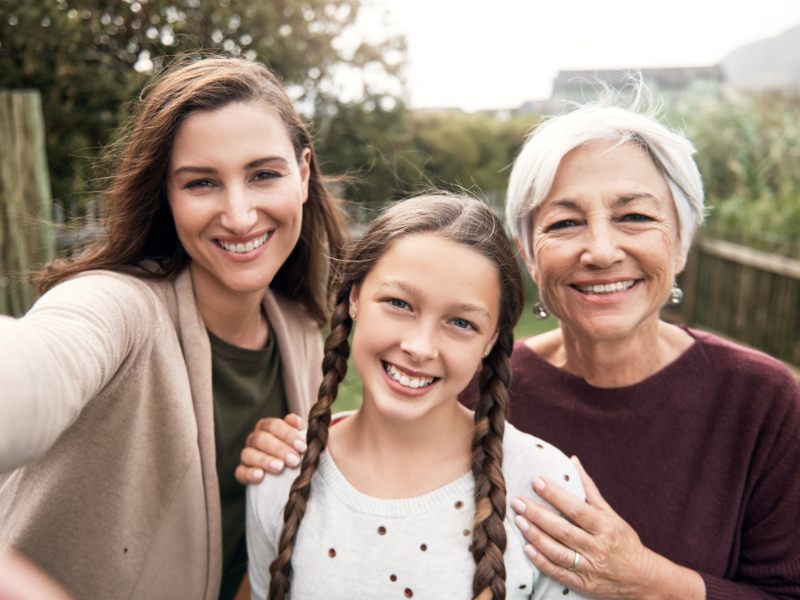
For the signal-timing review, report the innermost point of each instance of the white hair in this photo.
(535, 167)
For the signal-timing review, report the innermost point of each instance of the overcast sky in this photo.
(478, 54)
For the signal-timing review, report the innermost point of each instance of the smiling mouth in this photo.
(608, 288)
(405, 380)
(242, 248)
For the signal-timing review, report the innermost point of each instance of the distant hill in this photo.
(772, 63)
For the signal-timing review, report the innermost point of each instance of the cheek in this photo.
(549, 259)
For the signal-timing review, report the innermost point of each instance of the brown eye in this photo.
(562, 225)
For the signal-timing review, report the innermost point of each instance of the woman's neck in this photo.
(389, 459)
(614, 363)
(234, 317)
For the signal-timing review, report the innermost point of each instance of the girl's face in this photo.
(425, 315)
(236, 191)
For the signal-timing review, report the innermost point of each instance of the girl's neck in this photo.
(389, 459)
(234, 317)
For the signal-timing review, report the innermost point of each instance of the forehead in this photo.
(439, 269)
(234, 127)
(607, 165)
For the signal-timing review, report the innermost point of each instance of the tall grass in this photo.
(748, 152)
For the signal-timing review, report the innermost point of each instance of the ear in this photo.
(305, 172)
(682, 254)
(529, 263)
(354, 300)
(492, 342)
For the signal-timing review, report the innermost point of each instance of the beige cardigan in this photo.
(105, 398)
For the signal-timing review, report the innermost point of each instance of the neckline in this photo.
(458, 489)
(690, 355)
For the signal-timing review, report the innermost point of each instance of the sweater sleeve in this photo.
(768, 565)
(57, 357)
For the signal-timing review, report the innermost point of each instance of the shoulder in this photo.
(741, 368)
(526, 457)
(295, 316)
(117, 296)
(266, 501)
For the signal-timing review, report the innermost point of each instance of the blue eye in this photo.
(398, 303)
(462, 324)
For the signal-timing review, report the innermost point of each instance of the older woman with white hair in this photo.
(693, 441)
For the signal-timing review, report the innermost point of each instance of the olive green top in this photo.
(247, 386)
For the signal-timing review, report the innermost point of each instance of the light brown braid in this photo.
(334, 367)
(488, 530)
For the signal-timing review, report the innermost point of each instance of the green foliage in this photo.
(398, 152)
(748, 152)
(90, 57)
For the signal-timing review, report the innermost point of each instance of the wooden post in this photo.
(27, 237)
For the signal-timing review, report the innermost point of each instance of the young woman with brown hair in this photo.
(129, 389)
(408, 496)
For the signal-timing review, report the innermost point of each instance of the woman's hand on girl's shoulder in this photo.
(273, 444)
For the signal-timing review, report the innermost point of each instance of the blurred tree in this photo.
(400, 152)
(89, 57)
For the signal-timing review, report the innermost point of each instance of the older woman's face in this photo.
(606, 245)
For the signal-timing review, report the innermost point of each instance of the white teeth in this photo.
(405, 380)
(609, 288)
(240, 248)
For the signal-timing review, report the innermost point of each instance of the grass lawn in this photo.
(350, 389)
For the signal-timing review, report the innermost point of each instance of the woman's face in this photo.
(236, 191)
(425, 315)
(606, 245)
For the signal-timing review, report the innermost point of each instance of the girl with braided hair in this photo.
(396, 497)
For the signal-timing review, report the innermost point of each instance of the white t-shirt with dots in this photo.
(352, 546)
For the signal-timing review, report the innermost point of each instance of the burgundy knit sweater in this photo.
(702, 459)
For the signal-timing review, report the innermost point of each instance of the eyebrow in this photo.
(282, 162)
(413, 290)
(621, 201)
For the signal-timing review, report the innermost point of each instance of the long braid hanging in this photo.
(488, 530)
(334, 367)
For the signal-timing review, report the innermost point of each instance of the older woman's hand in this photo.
(613, 563)
(273, 444)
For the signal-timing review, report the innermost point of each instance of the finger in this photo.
(246, 475)
(584, 514)
(535, 519)
(593, 495)
(280, 429)
(295, 421)
(556, 553)
(271, 462)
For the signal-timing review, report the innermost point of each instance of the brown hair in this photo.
(137, 218)
(465, 221)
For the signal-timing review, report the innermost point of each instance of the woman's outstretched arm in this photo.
(56, 358)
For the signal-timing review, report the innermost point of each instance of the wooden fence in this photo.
(27, 237)
(744, 294)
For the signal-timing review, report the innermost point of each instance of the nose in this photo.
(239, 214)
(602, 248)
(420, 343)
